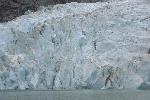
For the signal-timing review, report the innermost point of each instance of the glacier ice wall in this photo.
(78, 46)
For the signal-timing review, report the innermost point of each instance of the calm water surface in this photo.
(76, 95)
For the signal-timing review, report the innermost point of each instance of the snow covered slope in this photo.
(78, 46)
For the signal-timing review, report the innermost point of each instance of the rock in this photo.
(10, 9)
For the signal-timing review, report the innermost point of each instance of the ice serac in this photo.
(78, 46)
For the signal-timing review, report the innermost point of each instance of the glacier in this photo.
(78, 46)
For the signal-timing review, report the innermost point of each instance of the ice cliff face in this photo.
(78, 46)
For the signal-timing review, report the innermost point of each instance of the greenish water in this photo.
(76, 95)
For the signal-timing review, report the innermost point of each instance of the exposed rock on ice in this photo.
(77, 46)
